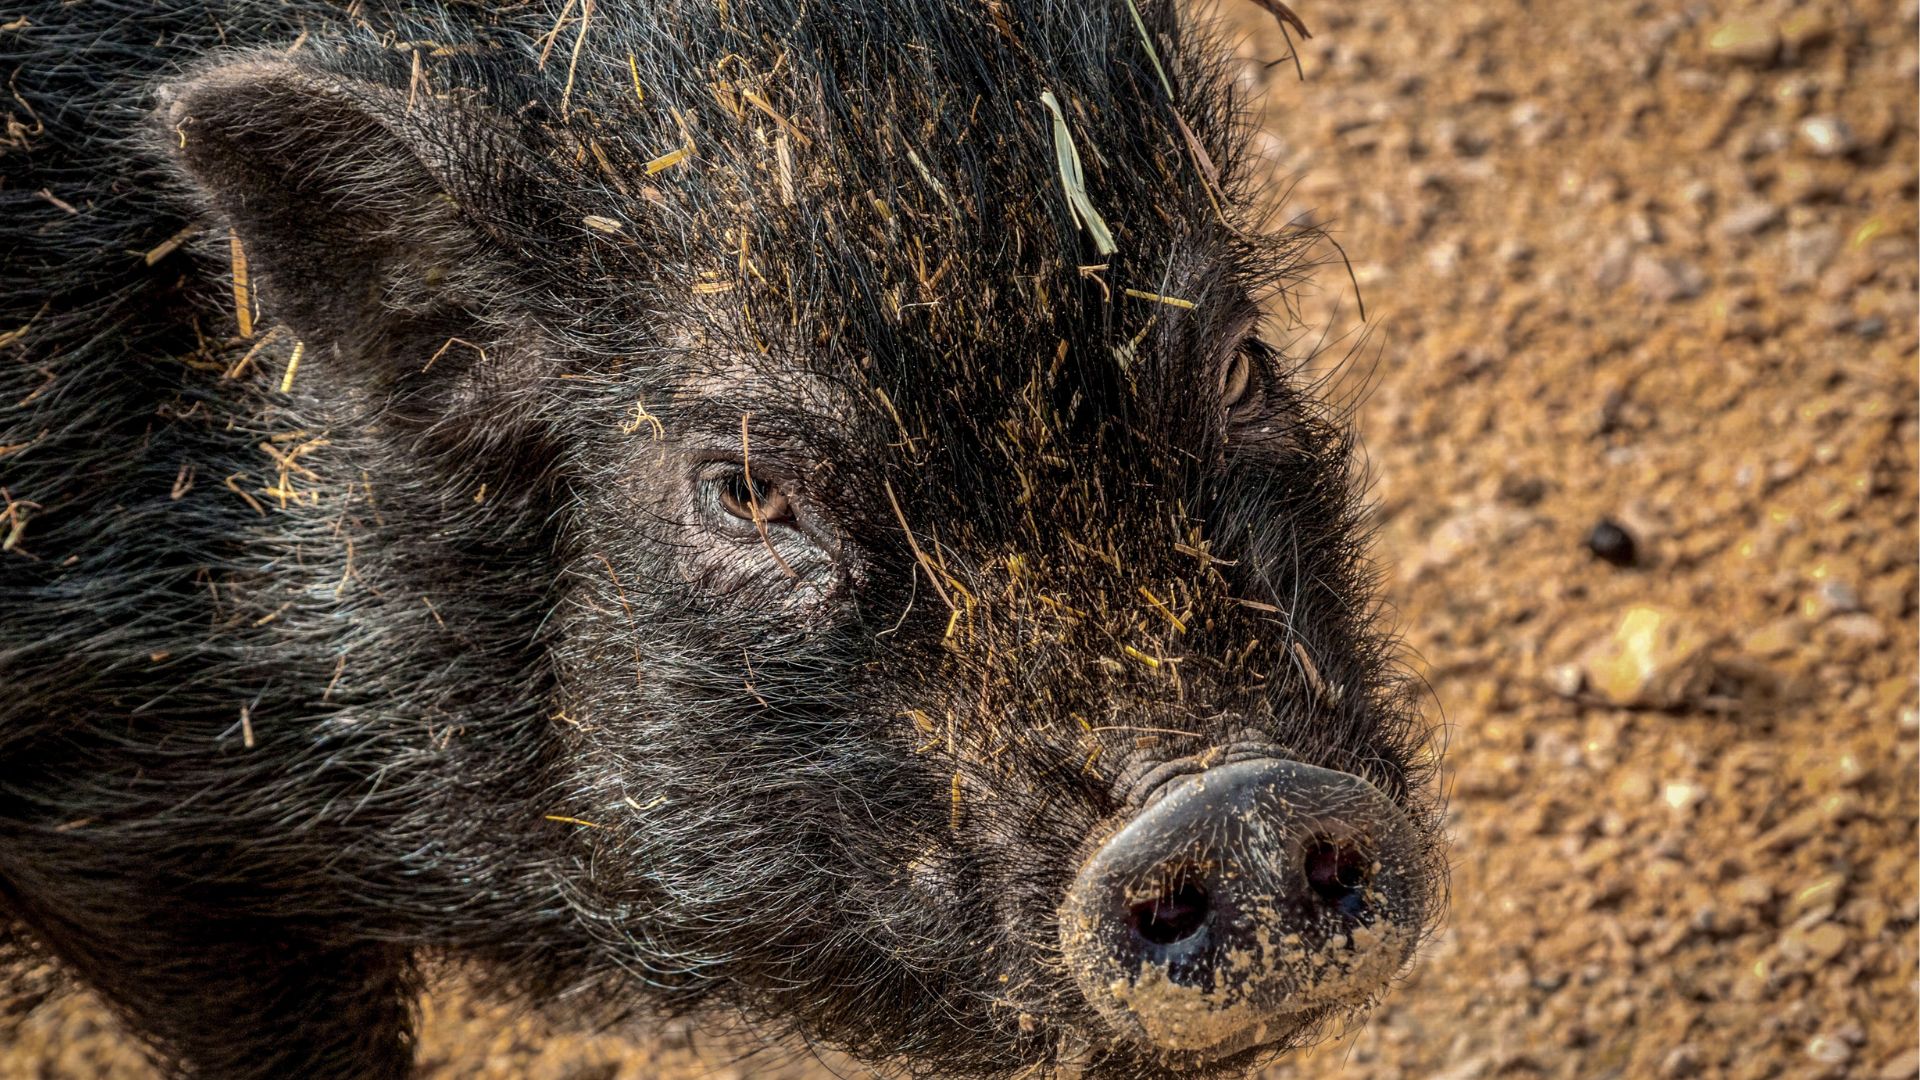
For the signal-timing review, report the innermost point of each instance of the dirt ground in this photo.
(1648, 262)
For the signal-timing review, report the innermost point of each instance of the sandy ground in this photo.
(1646, 262)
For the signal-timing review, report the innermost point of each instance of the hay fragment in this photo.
(339, 669)
(346, 575)
(1289, 22)
(415, 81)
(240, 366)
(171, 244)
(1159, 298)
(1329, 695)
(15, 515)
(933, 181)
(244, 495)
(573, 61)
(642, 417)
(242, 288)
(293, 365)
(553, 35)
(1146, 42)
(919, 556)
(1160, 606)
(639, 661)
(669, 159)
(448, 344)
(753, 98)
(19, 333)
(272, 615)
(783, 163)
(753, 497)
(49, 378)
(1092, 273)
(1073, 180)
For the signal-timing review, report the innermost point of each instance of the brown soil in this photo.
(1647, 262)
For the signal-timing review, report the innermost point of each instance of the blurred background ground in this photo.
(1646, 262)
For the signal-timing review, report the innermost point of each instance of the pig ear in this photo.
(347, 201)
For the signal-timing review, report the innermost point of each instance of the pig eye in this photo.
(1240, 379)
(757, 500)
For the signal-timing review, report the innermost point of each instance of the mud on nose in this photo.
(1247, 901)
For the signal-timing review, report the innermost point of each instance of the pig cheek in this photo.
(744, 575)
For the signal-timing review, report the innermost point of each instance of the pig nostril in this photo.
(1335, 872)
(1175, 913)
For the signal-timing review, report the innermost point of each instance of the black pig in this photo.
(772, 506)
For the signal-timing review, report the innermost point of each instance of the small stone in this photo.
(1635, 787)
(1826, 941)
(1651, 658)
(1523, 490)
(1667, 280)
(1755, 983)
(1611, 542)
(1794, 831)
(1827, 136)
(1443, 257)
(1777, 638)
(1849, 770)
(1681, 1061)
(1871, 327)
(1615, 260)
(1828, 1050)
(1745, 41)
(1859, 627)
(1566, 680)
(1823, 894)
(1749, 218)
(1810, 251)
(1842, 806)
(1831, 598)
(1681, 796)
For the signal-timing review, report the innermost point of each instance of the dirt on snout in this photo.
(1640, 280)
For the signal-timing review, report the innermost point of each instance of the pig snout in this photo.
(1243, 904)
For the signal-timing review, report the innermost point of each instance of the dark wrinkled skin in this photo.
(452, 650)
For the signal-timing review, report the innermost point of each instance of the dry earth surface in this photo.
(1649, 262)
